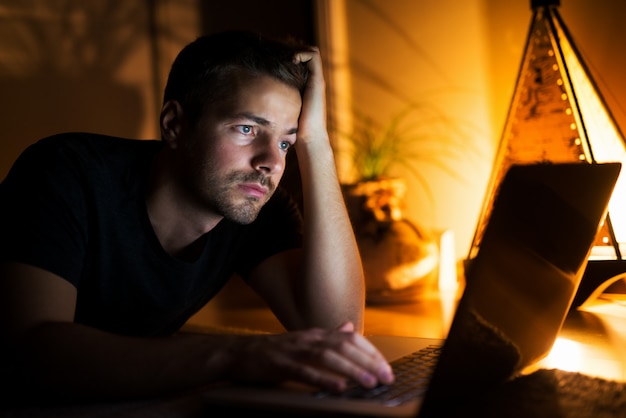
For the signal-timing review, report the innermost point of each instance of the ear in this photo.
(171, 122)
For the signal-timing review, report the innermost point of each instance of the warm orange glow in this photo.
(565, 355)
(448, 278)
(448, 275)
(605, 140)
(587, 358)
(558, 115)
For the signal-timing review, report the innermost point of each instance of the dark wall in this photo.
(64, 66)
(274, 18)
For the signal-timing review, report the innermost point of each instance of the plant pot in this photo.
(400, 259)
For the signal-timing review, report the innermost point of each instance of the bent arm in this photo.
(333, 286)
(334, 289)
(329, 289)
(48, 353)
(48, 357)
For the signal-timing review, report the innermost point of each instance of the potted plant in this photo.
(400, 258)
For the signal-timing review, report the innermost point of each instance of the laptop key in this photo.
(412, 373)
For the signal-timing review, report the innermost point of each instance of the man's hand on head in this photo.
(312, 124)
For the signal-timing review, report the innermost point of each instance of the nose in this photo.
(268, 157)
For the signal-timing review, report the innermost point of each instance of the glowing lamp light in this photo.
(565, 355)
(557, 115)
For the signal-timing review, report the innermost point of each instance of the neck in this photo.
(177, 223)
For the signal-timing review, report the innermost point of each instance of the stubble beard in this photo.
(231, 207)
(219, 193)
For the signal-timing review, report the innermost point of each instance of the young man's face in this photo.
(236, 152)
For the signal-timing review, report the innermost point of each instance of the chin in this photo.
(243, 216)
(241, 220)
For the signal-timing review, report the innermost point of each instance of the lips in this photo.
(254, 190)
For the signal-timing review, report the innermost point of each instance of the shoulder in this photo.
(72, 163)
(80, 152)
(89, 144)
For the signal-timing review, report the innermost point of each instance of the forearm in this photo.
(70, 362)
(61, 362)
(333, 285)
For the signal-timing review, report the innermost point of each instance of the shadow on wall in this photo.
(71, 66)
(41, 106)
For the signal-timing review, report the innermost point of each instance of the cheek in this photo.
(221, 161)
(226, 156)
(198, 161)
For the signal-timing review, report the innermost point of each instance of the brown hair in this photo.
(206, 71)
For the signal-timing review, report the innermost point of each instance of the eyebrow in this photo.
(263, 122)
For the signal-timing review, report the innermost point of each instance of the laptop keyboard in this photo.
(412, 373)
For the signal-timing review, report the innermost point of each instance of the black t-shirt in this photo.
(74, 204)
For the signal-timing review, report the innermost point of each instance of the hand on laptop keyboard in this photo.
(327, 359)
(412, 374)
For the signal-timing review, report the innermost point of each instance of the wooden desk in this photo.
(592, 341)
(236, 308)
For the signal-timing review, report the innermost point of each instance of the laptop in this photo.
(517, 292)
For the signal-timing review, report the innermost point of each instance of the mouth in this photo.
(254, 190)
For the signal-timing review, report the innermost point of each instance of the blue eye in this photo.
(245, 129)
(285, 145)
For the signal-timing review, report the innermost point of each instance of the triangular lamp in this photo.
(558, 115)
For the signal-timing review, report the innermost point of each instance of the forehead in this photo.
(260, 95)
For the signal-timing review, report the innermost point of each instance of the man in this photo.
(108, 245)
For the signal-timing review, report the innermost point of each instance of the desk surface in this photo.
(593, 342)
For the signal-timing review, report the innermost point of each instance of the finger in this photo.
(347, 366)
(354, 356)
(362, 342)
(306, 55)
(334, 357)
(312, 59)
(311, 371)
(365, 355)
(346, 327)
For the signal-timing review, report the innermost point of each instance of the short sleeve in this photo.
(42, 211)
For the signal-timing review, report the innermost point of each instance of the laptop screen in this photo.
(521, 282)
